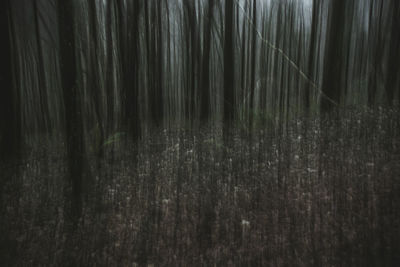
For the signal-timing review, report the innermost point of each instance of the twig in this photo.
(286, 57)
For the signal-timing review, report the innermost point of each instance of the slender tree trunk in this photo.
(205, 72)
(42, 88)
(155, 61)
(110, 68)
(191, 39)
(129, 44)
(159, 101)
(253, 65)
(243, 58)
(312, 53)
(229, 69)
(10, 117)
(96, 94)
(275, 72)
(332, 79)
(73, 112)
(393, 70)
(9, 111)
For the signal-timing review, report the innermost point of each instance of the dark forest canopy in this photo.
(161, 62)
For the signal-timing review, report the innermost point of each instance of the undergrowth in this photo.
(312, 193)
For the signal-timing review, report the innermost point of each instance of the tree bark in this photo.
(9, 112)
(229, 69)
(205, 72)
(332, 78)
(393, 70)
(72, 107)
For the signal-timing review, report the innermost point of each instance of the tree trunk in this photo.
(253, 65)
(73, 113)
(332, 79)
(205, 72)
(9, 111)
(393, 70)
(128, 51)
(229, 69)
(312, 53)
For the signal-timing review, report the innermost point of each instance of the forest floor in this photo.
(311, 193)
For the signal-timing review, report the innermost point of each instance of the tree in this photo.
(155, 59)
(376, 44)
(129, 44)
(72, 107)
(332, 78)
(110, 67)
(9, 110)
(205, 71)
(229, 63)
(41, 69)
(93, 70)
(192, 54)
(393, 70)
(312, 52)
(253, 64)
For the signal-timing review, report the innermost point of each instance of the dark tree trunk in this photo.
(10, 117)
(312, 53)
(158, 104)
(73, 112)
(205, 72)
(129, 50)
(229, 69)
(243, 57)
(155, 62)
(109, 68)
(275, 72)
(9, 111)
(42, 90)
(94, 75)
(375, 49)
(192, 54)
(332, 79)
(253, 65)
(393, 70)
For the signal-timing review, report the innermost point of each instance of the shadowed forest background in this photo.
(200, 132)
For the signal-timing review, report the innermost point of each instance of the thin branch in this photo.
(286, 57)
